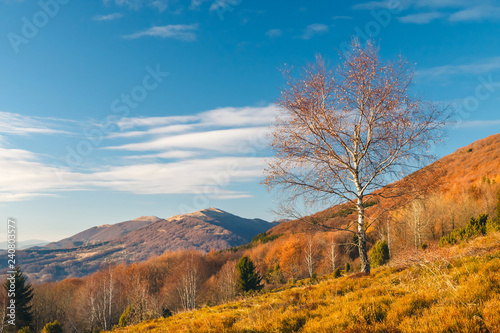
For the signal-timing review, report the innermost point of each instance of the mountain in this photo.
(203, 230)
(25, 244)
(465, 167)
(103, 233)
(137, 240)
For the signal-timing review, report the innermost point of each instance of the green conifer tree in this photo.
(249, 279)
(19, 290)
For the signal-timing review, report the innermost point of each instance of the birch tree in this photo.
(189, 284)
(309, 254)
(332, 253)
(345, 132)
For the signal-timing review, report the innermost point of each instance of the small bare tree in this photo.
(188, 286)
(227, 282)
(332, 253)
(346, 132)
(309, 254)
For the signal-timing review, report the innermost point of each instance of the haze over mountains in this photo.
(137, 240)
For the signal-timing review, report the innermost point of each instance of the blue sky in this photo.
(113, 109)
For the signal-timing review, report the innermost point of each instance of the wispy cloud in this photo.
(182, 177)
(273, 33)
(179, 31)
(476, 68)
(152, 155)
(24, 176)
(422, 18)
(342, 17)
(405, 4)
(161, 5)
(314, 29)
(222, 117)
(13, 123)
(477, 123)
(224, 4)
(477, 13)
(450, 10)
(229, 140)
(108, 17)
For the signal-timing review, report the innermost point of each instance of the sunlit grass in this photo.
(457, 293)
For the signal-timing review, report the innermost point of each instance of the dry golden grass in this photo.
(454, 290)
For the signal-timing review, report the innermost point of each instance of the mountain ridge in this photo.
(137, 240)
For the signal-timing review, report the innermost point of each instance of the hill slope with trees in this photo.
(453, 289)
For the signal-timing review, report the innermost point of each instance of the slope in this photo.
(103, 233)
(463, 168)
(446, 290)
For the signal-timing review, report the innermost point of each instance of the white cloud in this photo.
(224, 4)
(477, 13)
(179, 31)
(172, 154)
(229, 140)
(422, 18)
(189, 154)
(25, 177)
(405, 4)
(127, 123)
(467, 10)
(227, 116)
(273, 33)
(314, 29)
(183, 177)
(479, 67)
(13, 123)
(153, 131)
(477, 123)
(161, 5)
(244, 116)
(108, 17)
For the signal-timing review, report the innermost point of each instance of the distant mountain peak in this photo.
(213, 209)
(151, 218)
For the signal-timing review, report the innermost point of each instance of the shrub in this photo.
(275, 275)
(54, 327)
(475, 227)
(424, 246)
(25, 329)
(379, 255)
(165, 313)
(126, 317)
(292, 324)
(264, 238)
(336, 273)
(347, 267)
(498, 206)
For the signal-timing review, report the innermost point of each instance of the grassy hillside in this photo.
(451, 289)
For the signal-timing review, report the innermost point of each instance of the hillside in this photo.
(137, 240)
(453, 289)
(461, 169)
(103, 233)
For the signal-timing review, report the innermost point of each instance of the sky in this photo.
(115, 109)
